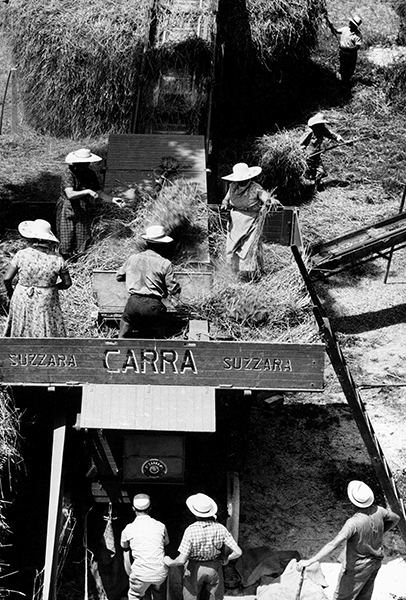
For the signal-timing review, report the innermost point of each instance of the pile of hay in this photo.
(82, 66)
(9, 442)
(78, 62)
(283, 163)
(281, 27)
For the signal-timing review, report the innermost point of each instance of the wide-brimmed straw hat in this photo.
(355, 20)
(318, 119)
(37, 230)
(360, 494)
(156, 234)
(242, 172)
(141, 501)
(83, 155)
(201, 505)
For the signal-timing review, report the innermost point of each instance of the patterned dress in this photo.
(74, 216)
(34, 307)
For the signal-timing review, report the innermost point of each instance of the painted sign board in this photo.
(73, 361)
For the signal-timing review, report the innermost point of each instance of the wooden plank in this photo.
(55, 506)
(133, 158)
(244, 365)
(145, 408)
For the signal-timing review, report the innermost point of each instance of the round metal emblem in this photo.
(154, 468)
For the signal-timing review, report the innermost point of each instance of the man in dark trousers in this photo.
(143, 542)
(149, 278)
(313, 142)
(350, 40)
(202, 548)
(363, 534)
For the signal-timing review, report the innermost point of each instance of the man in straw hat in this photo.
(143, 542)
(202, 548)
(74, 210)
(245, 198)
(149, 278)
(363, 534)
(313, 140)
(350, 40)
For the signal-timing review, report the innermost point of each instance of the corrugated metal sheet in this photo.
(148, 407)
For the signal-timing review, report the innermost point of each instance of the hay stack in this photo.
(282, 27)
(81, 65)
(78, 61)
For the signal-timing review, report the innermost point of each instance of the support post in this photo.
(55, 504)
(14, 101)
(388, 266)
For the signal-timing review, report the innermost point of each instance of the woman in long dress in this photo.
(34, 302)
(245, 199)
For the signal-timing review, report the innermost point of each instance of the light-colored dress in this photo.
(245, 202)
(34, 307)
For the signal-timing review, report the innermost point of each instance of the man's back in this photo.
(146, 537)
(364, 533)
(148, 273)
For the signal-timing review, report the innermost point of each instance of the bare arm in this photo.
(66, 280)
(176, 562)
(391, 521)
(325, 551)
(127, 560)
(71, 193)
(8, 278)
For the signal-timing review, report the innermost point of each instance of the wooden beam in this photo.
(55, 504)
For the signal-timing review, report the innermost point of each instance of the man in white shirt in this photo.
(143, 542)
(350, 40)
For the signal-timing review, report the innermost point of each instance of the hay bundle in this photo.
(281, 25)
(79, 62)
(9, 441)
(283, 163)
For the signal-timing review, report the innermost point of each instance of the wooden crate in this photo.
(154, 458)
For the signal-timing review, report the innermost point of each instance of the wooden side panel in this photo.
(149, 408)
(278, 226)
(111, 295)
(71, 361)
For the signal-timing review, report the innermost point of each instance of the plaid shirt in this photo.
(203, 541)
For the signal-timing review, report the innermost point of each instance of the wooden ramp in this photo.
(377, 240)
(133, 158)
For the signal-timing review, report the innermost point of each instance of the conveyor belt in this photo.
(374, 241)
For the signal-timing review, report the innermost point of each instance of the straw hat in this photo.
(360, 494)
(355, 20)
(141, 502)
(318, 119)
(83, 155)
(242, 172)
(201, 505)
(37, 230)
(156, 233)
